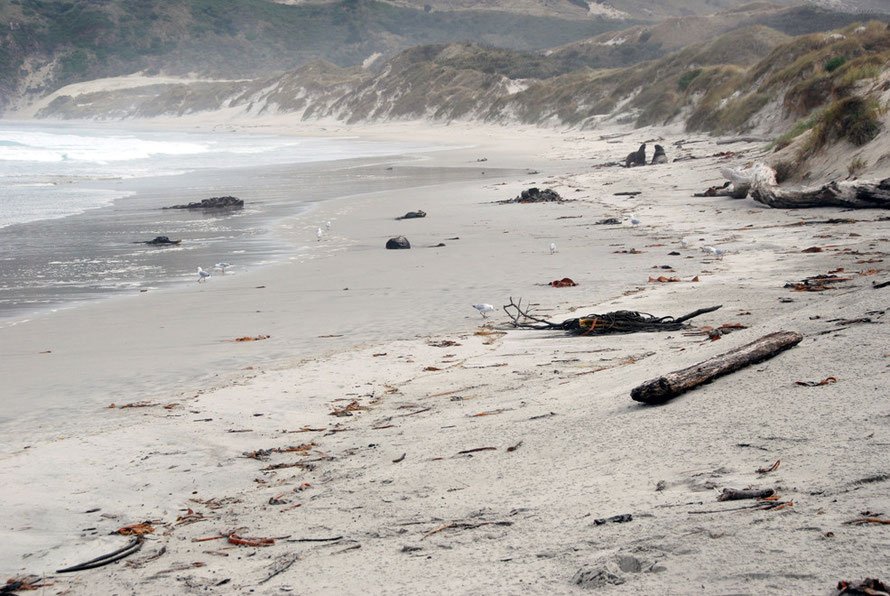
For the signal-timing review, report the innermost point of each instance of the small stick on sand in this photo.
(111, 557)
(281, 569)
(477, 449)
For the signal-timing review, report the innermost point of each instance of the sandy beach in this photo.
(387, 439)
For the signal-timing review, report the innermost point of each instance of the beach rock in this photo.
(161, 240)
(609, 221)
(536, 195)
(398, 242)
(659, 155)
(213, 203)
(412, 215)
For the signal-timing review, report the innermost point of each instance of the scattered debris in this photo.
(248, 338)
(464, 526)
(826, 381)
(615, 519)
(867, 587)
(771, 468)
(136, 529)
(565, 282)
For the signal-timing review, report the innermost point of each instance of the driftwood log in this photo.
(736, 494)
(663, 388)
(853, 194)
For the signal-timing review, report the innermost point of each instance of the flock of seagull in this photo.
(221, 267)
(482, 308)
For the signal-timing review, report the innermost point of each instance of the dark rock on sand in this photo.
(536, 195)
(213, 203)
(412, 215)
(159, 240)
(398, 242)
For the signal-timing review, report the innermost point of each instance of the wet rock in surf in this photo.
(213, 203)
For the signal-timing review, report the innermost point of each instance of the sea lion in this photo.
(659, 156)
(637, 158)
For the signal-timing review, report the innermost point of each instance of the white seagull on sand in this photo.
(318, 234)
(202, 275)
(684, 242)
(483, 308)
(552, 247)
(633, 220)
(222, 267)
(327, 225)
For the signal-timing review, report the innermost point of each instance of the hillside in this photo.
(45, 44)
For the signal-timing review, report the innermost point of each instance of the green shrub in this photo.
(800, 127)
(687, 77)
(853, 118)
(835, 63)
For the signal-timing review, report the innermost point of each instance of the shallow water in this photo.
(76, 214)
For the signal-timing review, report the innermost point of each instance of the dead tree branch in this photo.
(619, 321)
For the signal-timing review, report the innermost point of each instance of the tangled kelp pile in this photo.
(615, 322)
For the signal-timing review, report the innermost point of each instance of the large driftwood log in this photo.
(663, 388)
(856, 194)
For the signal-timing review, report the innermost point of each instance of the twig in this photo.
(464, 526)
(281, 569)
(347, 549)
(477, 449)
(868, 520)
(398, 459)
(334, 539)
(111, 557)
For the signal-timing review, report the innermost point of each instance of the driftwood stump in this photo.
(674, 383)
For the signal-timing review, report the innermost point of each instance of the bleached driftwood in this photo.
(856, 194)
(737, 187)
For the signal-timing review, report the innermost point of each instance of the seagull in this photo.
(684, 242)
(483, 308)
(318, 234)
(328, 225)
(202, 275)
(633, 220)
(222, 267)
(719, 252)
(552, 247)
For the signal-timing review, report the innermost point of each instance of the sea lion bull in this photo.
(637, 158)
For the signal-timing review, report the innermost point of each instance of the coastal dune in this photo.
(390, 440)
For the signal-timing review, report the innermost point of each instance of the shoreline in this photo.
(476, 457)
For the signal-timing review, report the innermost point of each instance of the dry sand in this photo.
(476, 458)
